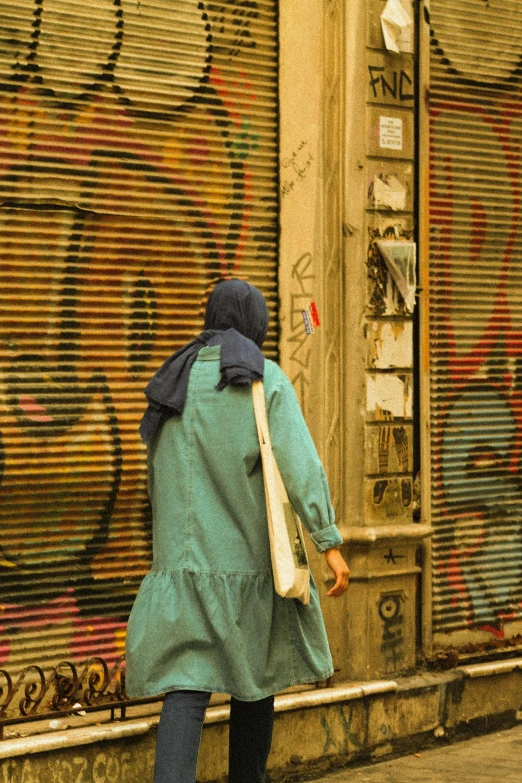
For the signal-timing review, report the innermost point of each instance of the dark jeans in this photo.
(179, 734)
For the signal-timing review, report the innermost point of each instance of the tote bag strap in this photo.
(258, 396)
(287, 549)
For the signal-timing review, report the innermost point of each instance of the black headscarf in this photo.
(236, 318)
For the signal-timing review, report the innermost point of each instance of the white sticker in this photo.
(390, 133)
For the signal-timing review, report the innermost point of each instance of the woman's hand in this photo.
(337, 564)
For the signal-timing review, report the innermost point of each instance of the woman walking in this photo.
(207, 618)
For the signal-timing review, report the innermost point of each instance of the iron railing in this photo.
(66, 689)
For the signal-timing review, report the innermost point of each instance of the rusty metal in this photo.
(475, 653)
(66, 689)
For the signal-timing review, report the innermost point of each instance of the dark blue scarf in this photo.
(236, 318)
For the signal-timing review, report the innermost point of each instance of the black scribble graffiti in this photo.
(379, 488)
(49, 401)
(265, 235)
(347, 738)
(301, 273)
(299, 300)
(232, 21)
(396, 84)
(112, 211)
(496, 65)
(29, 66)
(406, 492)
(392, 642)
(391, 557)
(142, 324)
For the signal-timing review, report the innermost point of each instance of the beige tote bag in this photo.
(287, 549)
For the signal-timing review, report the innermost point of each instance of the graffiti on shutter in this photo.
(475, 327)
(137, 167)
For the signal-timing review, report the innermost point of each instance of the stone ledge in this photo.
(71, 738)
(380, 533)
(493, 667)
(315, 730)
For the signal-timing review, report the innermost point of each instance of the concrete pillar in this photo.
(347, 180)
(382, 538)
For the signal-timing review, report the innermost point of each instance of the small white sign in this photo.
(390, 133)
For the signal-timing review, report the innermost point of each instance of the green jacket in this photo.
(206, 616)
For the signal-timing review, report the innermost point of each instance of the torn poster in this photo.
(396, 26)
(400, 258)
(387, 192)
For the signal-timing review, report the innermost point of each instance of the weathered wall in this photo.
(343, 185)
(311, 253)
(311, 70)
(388, 326)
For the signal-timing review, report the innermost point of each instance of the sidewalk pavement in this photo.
(495, 756)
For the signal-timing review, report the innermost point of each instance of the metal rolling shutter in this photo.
(138, 155)
(476, 320)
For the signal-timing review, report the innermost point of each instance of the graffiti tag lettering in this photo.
(296, 167)
(302, 294)
(394, 84)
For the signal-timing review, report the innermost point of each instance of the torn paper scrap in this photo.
(389, 193)
(396, 25)
(400, 258)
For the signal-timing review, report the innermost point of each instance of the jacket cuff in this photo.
(326, 538)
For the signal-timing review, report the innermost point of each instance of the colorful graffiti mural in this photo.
(476, 316)
(137, 166)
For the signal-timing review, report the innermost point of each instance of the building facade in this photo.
(357, 158)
